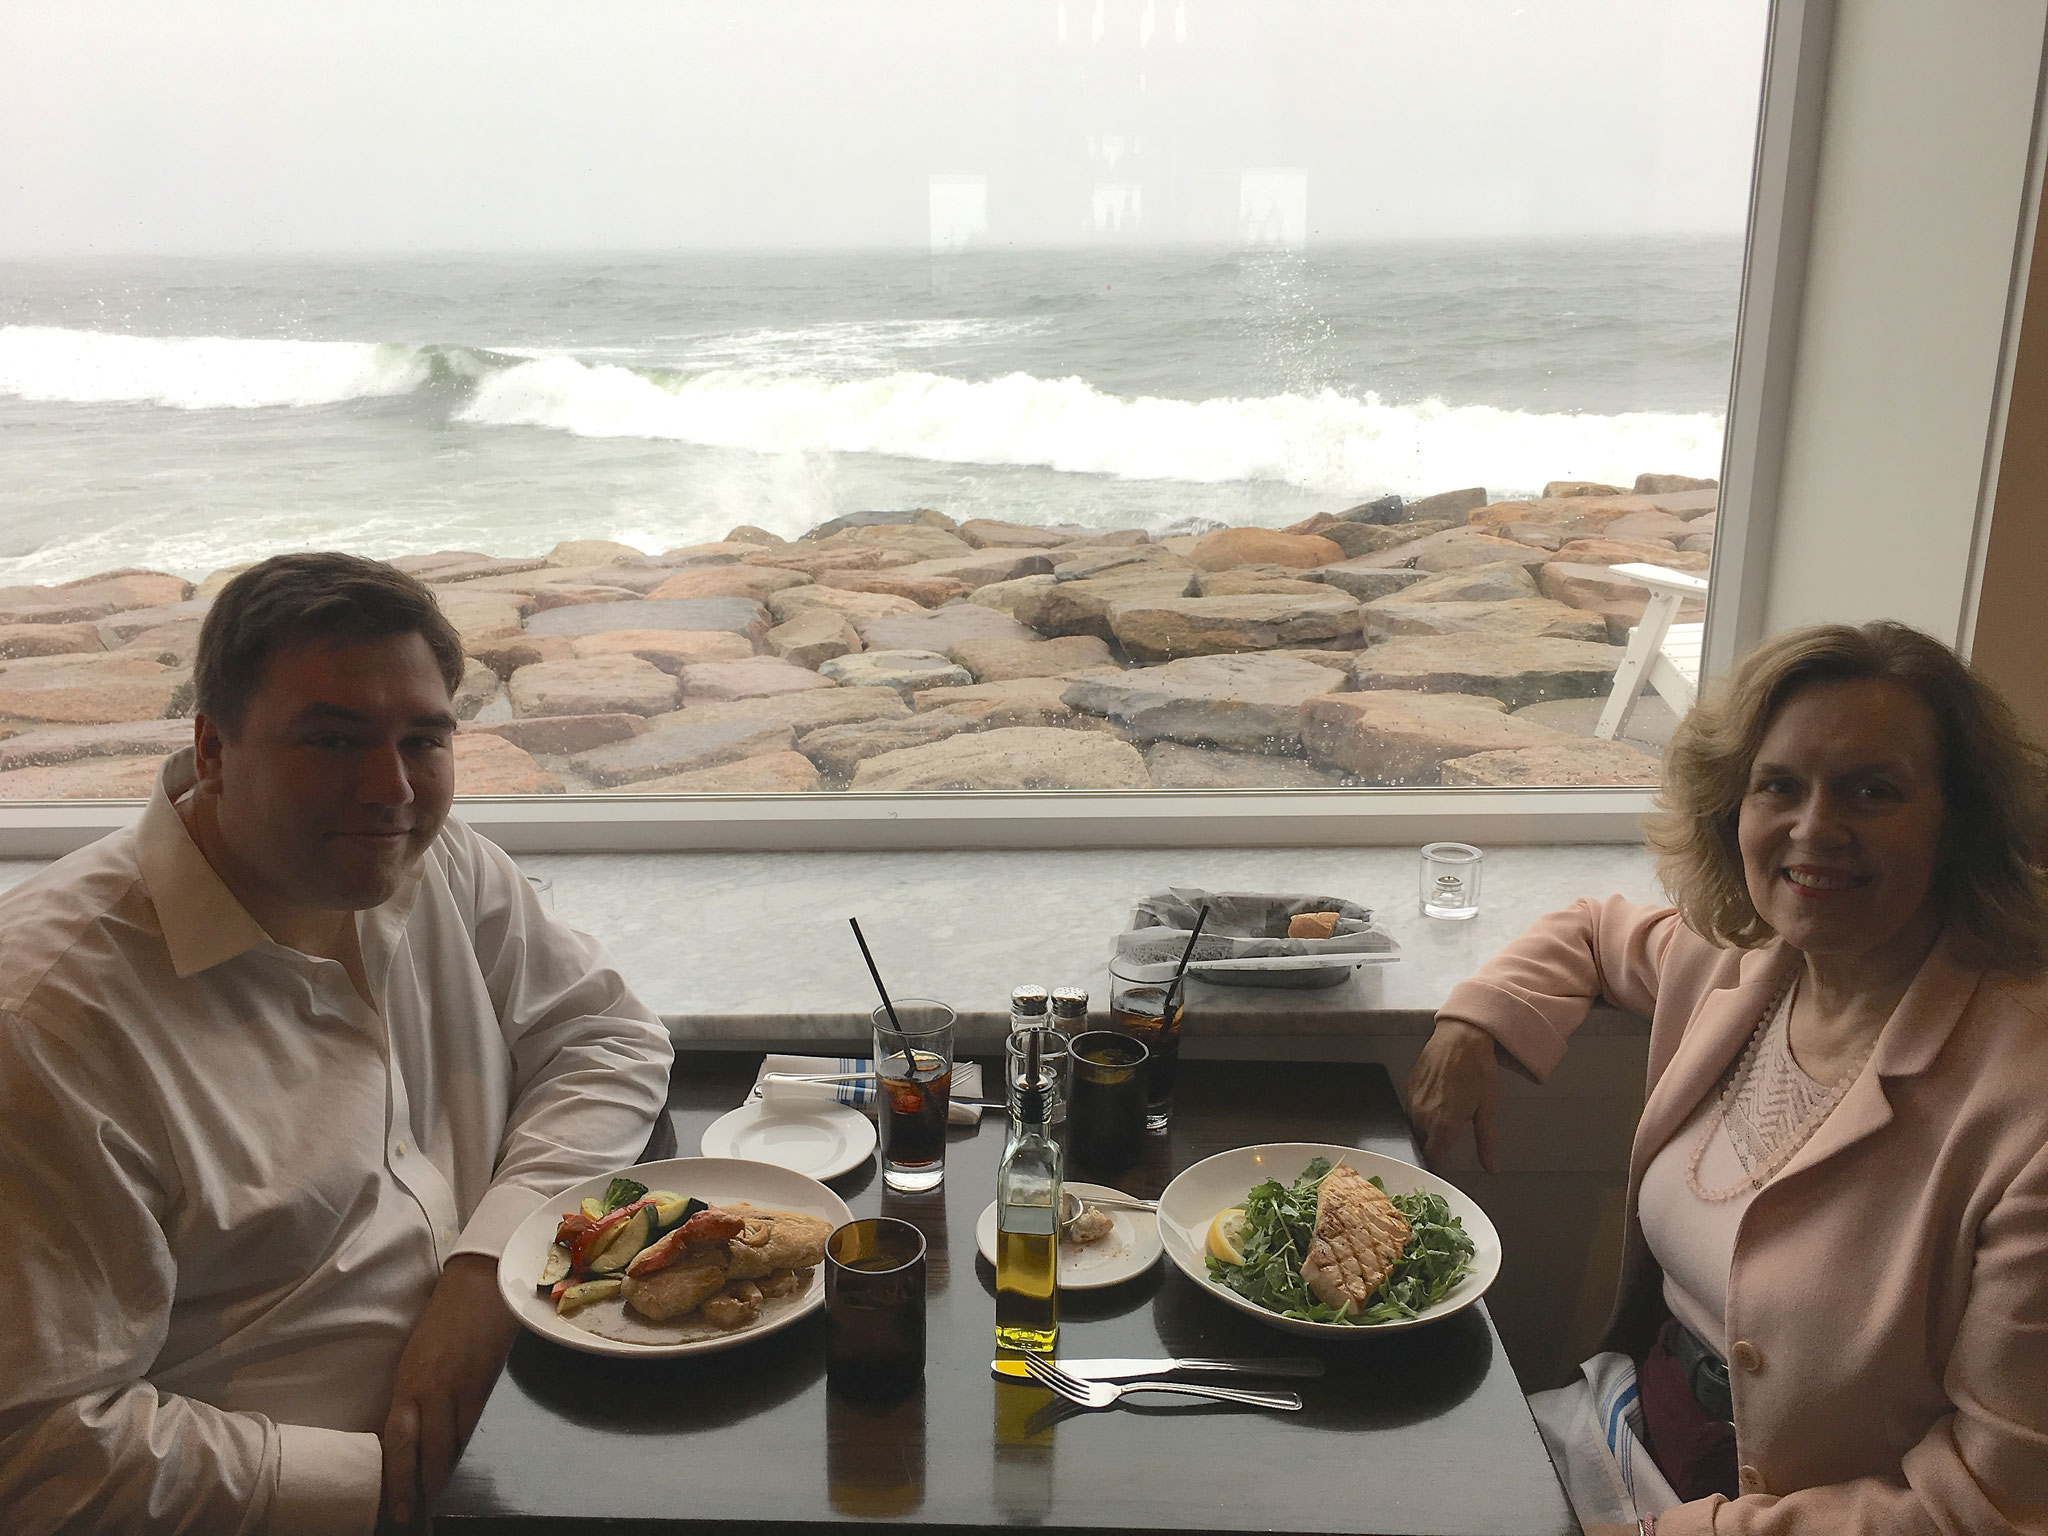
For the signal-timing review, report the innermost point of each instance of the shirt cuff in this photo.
(330, 1482)
(497, 1217)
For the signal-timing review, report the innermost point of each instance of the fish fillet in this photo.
(1359, 1236)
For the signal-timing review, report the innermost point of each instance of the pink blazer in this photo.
(1888, 1302)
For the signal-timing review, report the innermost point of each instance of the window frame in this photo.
(1793, 92)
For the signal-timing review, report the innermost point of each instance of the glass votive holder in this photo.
(1450, 880)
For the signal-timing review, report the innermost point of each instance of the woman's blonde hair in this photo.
(1994, 786)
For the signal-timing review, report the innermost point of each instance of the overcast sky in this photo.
(279, 125)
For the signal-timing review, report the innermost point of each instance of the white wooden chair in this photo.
(1661, 652)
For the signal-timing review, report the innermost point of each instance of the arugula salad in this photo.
(1256, 1250)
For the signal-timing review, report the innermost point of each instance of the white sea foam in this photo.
(1325, 442)
(201, 372)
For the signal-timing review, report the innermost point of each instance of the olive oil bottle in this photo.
(1028, 1216)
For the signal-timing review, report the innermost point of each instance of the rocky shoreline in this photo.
(1452, 640)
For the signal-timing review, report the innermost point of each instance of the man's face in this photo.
(340, 776)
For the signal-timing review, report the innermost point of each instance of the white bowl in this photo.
(714, 1180)
(1216, 1183)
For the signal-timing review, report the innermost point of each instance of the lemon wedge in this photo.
(1226, 1235)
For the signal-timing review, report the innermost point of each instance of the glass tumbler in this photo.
(1450, 881)
(1148, 1002)
(914, 1068)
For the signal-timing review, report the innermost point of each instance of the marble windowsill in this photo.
(753, 949)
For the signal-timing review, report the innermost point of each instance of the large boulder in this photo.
(482, 620)
(1012, 759)
(1535, 535)
(839, 749)
(458, 565)
(803, 711)
(19, 640)
(1080, 561)
(754, 678)
(669, 649)
(94, 688)
(813, 637)
(925, 592)
(592, 685)
(1392, 617)
(93, 598)
(1017, 701)
(1405, 738)
(909, 517)
(980, 568)
(98, 778)
(560, 735)
(175, 645)
(938, 629)
(1006, 597)
(1163, 629)
(1609, 551)
(1081, 606)
(995, 661)
(733, 615)
(791, 601)
(507, 656)
(1353, 538)
(44, 745)
(568, 594)
(1228, 547)
(1516, 670)
(1650, 527)
(1617, 599)
(1585, 761)
(595, 552)
(1451, 506)
(749, 581)
(1475, 549)
(1250, 703)
(1367, 581)
(1649, 726)
(905, 671)
(989, 533)
(1558, 490)
(1175, 765)
(772, 773)
(491, 765)
(1590, 514)
(1655, 485)
(117, 629)
(1256, 580)
(1500, 582)
(676, 749)
(748, 533)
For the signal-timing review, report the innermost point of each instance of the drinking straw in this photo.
(1186, 955)
(859, 939)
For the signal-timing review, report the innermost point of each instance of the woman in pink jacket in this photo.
(1835, 1286)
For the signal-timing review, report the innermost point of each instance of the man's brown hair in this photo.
(1994, 788)
(320, 598)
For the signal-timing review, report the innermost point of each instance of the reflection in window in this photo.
(843, 397)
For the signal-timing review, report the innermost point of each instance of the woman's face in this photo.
(1840, 827)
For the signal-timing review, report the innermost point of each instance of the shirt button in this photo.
(1745, 1356)
(1751, 1480)
(399, 1150)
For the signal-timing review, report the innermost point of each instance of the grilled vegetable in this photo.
(625, 1242)
(575, 1296)
(671, 1211)
(622, 1192)
(555, 1267)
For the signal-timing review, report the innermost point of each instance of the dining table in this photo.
(1418, 1431)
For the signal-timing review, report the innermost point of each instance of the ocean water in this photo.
(189, 414)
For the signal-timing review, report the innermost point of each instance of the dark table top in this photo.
(1424, 1431)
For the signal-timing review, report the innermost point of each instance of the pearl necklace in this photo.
(1738, 1081)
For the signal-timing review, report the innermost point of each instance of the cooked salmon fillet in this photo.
(1359, 1236)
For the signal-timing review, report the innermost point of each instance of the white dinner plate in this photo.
(1131, 1248)
(1216, 1183)
(714, 1180)
(817, 1137)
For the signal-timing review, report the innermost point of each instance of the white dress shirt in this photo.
(228, 1185)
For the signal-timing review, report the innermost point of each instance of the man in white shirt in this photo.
(281, 1067)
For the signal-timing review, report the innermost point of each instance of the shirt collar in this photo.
(203, 924)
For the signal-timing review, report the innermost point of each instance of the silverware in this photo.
(1296, 1366)
(1103, 1394)
(1071, 1204)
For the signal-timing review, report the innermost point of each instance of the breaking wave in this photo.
(1329, 441)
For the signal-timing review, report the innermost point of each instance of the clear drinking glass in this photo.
(1148, 1002)
(1107, 1133)
(874, 1307)
(1450, 880)
(914, 1065)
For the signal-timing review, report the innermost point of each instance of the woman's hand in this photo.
(1456, 1083)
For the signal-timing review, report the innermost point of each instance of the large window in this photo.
(814, 397)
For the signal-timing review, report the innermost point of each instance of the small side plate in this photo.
(819, 1140)
(1131, 1248)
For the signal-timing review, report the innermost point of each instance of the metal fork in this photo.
(1103, 1394)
